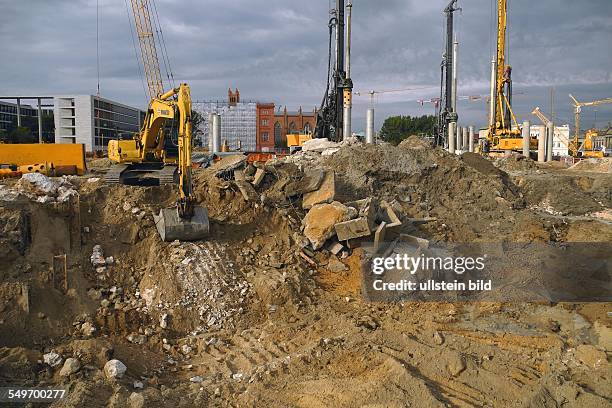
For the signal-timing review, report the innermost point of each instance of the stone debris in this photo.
(319, 145)
(136, 400)
(114, 369)
(88, 329)
(163, 321)
(590, 356)
(44, 189)
(71, 366)
(138, 385)
(455, 364)
(97, 257)
(324, 194)
(196, 379)
(259, 176)
(53, 359)
(320, 221)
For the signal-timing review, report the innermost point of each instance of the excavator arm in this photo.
(187, 221)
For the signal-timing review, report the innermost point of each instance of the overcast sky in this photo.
(276, 50)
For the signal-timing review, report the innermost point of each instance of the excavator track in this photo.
(113, 175)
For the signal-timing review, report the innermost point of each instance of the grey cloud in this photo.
(276, 50)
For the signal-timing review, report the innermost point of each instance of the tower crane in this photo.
(150, 158)
(501, 136)
(577, 111)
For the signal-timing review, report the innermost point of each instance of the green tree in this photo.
(21, 134)
(196, 127)
(397, 128)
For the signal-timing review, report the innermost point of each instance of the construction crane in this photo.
(547, 122)
(501, 135)
(150, 157)
(577, 111)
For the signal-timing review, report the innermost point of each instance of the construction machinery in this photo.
(339, 88)
(575, 145)
(147, 158)
(447, 112)
(502, 136)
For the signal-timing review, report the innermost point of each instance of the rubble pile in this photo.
(269, 309)
(43, 189)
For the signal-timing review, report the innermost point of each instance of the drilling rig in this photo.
(447, 112)
(501, 135)
(339, 88)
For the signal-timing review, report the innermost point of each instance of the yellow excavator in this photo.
(150, 158)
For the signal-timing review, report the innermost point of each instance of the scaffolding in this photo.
(238, 124)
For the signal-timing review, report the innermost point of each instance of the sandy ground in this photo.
(241, 319)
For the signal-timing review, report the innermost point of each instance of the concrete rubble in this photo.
(114, 369)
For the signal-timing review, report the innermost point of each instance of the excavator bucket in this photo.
(171, 227)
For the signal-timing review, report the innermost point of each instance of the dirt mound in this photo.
(429, 183)
(515, 163)
(601, 165)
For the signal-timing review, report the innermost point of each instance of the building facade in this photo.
(286, 122)
(245, 126)
(28, 116)
(561, 138)
(265, 127)
(94, 121)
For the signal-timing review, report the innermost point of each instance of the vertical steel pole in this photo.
(18, 112)
(550, 130)
(40, 138)
(340, 73)
(370, 126)
(492, 101)
(348, 92)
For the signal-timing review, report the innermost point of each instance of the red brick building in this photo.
(286, 122)
(265, 127)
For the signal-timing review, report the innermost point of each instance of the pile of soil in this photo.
(515, 163)
(242, 319)
(595, 165)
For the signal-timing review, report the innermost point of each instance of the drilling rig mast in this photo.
(501, 135)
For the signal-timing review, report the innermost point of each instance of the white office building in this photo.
(93, 120)
(561, 138)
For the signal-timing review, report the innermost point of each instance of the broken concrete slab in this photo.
(334, 247)
(258, 177)
(311, 181)
(318, 145)
(421, 243)
(388, 215)
(351, 229)
(367, 208)
(320, 221)
(325, 194)
(228, 163)
(247, 190)
(379, 235)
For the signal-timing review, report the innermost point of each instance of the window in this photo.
(307, 128)
(264, 122)
(278, 141)
(265, 137)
